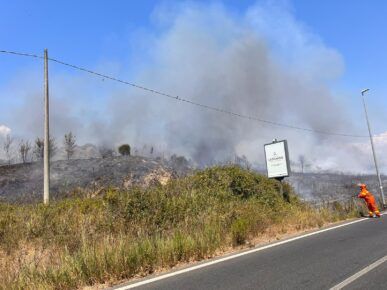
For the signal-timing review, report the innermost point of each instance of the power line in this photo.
(203, 105)
(21, 54)
(178, 98)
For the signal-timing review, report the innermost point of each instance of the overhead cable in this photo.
(185, 100)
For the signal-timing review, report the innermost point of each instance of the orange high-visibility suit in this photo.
(369, 199)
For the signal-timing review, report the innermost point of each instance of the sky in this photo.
(333, 48)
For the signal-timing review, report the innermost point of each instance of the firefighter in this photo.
(370, 200)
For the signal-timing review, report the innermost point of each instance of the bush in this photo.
(124, 150)
(239, 231)
(77, 242)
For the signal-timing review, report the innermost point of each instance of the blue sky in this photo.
(85, 32)
(116, 37)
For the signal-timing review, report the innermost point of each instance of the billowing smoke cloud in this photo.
(261, 63)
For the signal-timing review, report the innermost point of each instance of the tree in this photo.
(144, 149)
(69, 144)
(7, 146)
(39, 148)
(124, 150)
(52, 147)
(301, 159)
(242, 162)
(24, 150)
(245, 163)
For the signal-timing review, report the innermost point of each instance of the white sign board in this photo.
(277, 159)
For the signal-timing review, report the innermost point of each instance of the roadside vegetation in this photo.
(124, 234)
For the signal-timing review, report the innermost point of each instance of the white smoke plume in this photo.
(4, 131)
(262, 63)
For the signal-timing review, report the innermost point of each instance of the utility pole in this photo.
(373, 149)
(46, 133)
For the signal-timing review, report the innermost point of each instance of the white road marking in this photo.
(216, 261)
(359, 274)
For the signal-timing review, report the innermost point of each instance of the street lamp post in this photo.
(373, 148)
(46, 166)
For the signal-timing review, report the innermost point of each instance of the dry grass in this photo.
(124, 234)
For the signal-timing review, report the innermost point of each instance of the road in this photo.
(319, 261)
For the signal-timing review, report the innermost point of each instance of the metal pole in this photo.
(46, 133)
(373, 149)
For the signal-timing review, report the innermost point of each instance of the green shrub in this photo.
(239, 230)
(82, 241)
(124, 150)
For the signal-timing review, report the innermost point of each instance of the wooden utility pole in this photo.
(46, 133)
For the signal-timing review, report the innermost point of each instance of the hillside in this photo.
(24, 182)
(122, 234)
(332, 186)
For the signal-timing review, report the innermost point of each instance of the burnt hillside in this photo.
(24, 182)
(332, 186)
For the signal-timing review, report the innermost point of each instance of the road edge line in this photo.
(357, 275)
(233, 256)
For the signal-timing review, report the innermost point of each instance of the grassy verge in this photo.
(78, 242)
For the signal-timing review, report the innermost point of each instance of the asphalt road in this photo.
(320, 261)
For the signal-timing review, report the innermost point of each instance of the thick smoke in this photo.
(262, 63)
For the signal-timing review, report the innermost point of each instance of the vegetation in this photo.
(69, 143)
(7, 147)
(124, 150)
(83, 241)
(39, 148)
(24, 150)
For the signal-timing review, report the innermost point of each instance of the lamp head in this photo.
(364, 91)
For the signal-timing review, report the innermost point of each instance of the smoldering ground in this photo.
(261, 63)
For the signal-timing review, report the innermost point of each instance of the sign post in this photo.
(277, 162)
